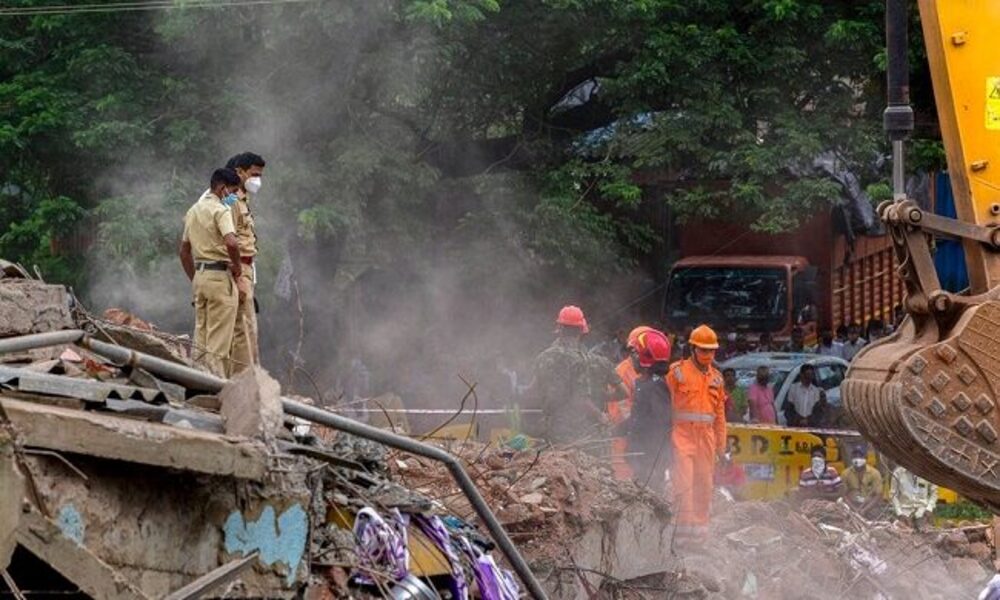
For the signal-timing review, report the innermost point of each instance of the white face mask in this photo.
(818, 466)
(858, 462)
(252, 184)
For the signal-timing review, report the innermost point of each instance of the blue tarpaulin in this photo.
(949, 258)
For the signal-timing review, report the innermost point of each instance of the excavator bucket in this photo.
(927, 395)
(932, 406)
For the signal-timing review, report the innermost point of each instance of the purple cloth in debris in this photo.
(435, 529)
(494, 583)
(381, 546)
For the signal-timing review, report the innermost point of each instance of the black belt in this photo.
(212, 266)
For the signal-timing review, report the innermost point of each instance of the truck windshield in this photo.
(727, 297)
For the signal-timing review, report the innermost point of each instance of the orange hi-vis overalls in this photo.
(618, 410)
(699, 433)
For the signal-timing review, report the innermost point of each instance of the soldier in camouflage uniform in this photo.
(572, 385)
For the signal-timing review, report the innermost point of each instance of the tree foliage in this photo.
(395, 128)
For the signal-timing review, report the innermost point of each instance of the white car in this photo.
(785, 367)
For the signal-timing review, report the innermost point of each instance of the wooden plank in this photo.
(117, 438)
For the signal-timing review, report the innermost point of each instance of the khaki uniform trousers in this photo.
(244, 352)
(215, 305)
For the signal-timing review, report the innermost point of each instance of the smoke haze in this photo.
(366, 251)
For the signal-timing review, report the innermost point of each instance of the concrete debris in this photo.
(141, 488)
(251, 405)
(823, 550)
(147, 342)
(11, 493)
(29, 306)
(570, 518)
(121, 327)
(138, 492)
(755, 536)
(155, 444)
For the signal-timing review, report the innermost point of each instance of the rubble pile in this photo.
(546, 499)
(134, 485)
(138, 484)
(969, 541)
(822, 550)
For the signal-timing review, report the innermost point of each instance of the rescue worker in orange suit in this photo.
(648, 426)
(699, 433)
(619, 408)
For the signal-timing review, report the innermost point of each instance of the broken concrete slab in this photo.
(634, 544)
(107, 436)
(11, 496)
(162, 529)
(205, 401)
(251, 405)
(755, 536)
(29, 306)
(146, 342)
(45, 539)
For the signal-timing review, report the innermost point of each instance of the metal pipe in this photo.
(897, 120)
(196, 379)
(33, 341)
(897, 58)
(898, 171)
(465, 483)
(186, 376)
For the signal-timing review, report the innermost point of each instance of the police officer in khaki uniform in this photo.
(249, 167)
(210, 256)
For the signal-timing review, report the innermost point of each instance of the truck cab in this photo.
(816, 276)
(750, 294)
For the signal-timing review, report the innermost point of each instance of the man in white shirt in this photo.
(913, 497)
(806, 402)
(829, 346)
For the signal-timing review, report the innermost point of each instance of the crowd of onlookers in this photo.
(911, 498)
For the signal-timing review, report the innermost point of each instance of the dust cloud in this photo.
(367, 254)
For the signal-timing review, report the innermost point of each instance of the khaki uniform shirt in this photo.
(206, 223)
(867, 485)
(245, 232)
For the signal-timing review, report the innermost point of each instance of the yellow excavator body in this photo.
(928, 394)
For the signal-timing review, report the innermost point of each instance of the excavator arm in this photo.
(928, 395)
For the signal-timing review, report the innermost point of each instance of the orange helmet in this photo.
(652, 347)
(704, 337)
(633, 335)
(572, 316)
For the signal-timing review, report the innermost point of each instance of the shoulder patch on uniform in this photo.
(678, 373)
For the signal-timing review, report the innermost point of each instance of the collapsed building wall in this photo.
(135, 486)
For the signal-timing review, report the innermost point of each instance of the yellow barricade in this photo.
(774, 456)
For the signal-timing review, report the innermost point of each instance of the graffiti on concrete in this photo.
(279, 539)
(71, 523)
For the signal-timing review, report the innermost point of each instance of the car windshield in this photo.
(828, 377)
(744, 377)
(728, 297)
